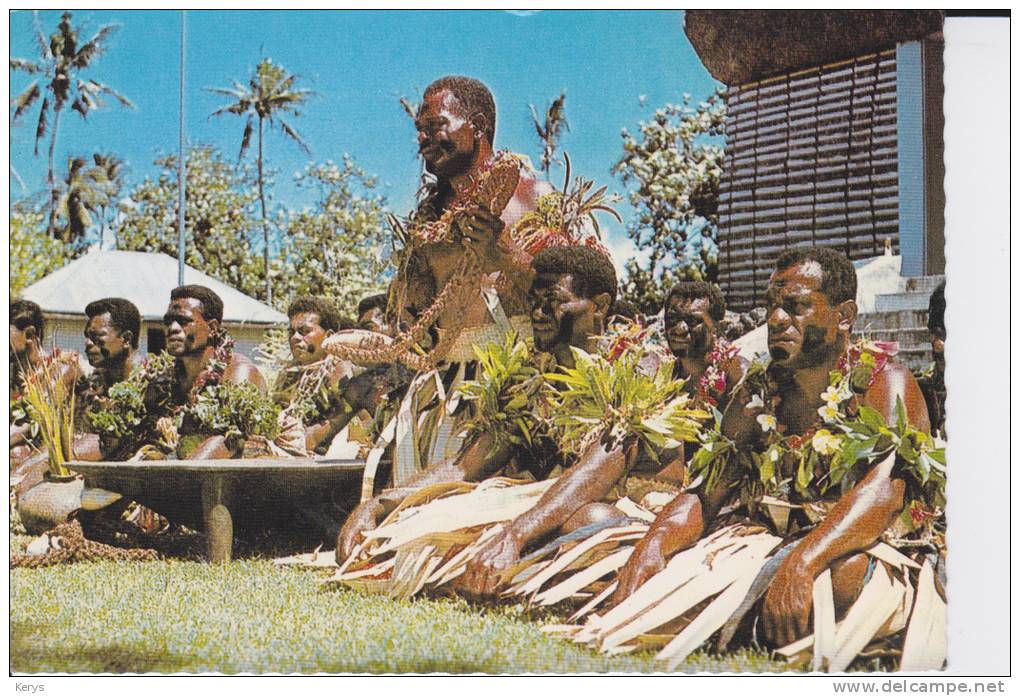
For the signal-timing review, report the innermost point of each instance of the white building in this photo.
(145, 279)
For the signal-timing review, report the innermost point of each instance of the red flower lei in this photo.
(712, 384)
(213, 372)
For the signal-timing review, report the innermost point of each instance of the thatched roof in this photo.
(144, 278)
(741, 46)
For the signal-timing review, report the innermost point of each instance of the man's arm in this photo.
(856, 521)
(589, 480)
(477, 460)
(241, 370)
(854, 524)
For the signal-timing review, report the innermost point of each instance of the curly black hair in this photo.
(473, 95)
(699, 289)
(212, 305)
(25, 313)
(839, 277)
(373, 302)
(330, 318)
(123, 315)
(591, 271)
(624, 308)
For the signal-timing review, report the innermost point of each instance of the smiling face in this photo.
(306, 337)
(690, 330)
(804, 328)
(447, 139)
(104, 344)
(560, 317)
(187, 331)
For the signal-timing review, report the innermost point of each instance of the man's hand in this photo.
(481, 227)
(483, 574)
(645, 562)
(364, 519)
(787, 608)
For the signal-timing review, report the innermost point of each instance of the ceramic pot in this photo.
(50, 502)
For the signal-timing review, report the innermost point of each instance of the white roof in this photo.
(144, 278)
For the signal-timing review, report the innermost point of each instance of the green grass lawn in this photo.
(252, 616)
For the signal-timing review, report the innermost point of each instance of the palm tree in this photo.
(270, 93)
(61, 63)
(84, 192)
(549, 132)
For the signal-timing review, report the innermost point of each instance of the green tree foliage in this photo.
(329, 248)
(220, 213)
(343, 233)
(269, 96)
(62, 60)
(34, 253)
(672, 169)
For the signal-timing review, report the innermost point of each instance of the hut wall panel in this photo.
(811, 158)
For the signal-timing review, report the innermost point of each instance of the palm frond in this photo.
(293, 135)
(24, 100)
(94, 47)
(25, 66)
(100, 88)
(249, 127)
(40, 128)
(40, 37)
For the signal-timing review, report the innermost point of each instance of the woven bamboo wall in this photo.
(811, 158)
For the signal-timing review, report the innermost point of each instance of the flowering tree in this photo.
(333, 249)
(672, 170)
(222, 225)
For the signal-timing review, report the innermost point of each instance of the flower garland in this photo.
(491, 187)
(712, 384)
(315, 394)
(832, 453)
(149, 408)
(223, 350)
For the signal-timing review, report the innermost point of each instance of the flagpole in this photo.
(182, 180)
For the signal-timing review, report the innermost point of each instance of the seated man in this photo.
(111, 339)
(310, 388)
(706, 360)
(816, 374)
(26, 355)
(933, 385)
(200, 400)
(203, 356)
(571, 292)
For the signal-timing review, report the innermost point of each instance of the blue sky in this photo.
(360, 63)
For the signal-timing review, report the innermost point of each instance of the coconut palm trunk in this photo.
(265, 222)
(51, 179)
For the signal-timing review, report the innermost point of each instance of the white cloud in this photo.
(623, 250)
(523, 13)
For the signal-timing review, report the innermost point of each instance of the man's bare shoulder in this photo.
(525, 199)
(242, 369)
(895, 382)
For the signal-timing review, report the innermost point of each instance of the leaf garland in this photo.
(617, 400)
(509, 394)
(834, 454)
